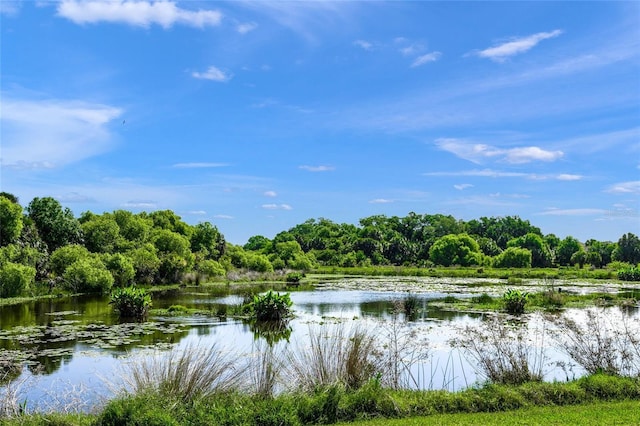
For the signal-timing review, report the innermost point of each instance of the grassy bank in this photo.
(597, 396)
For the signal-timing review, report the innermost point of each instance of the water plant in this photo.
(271, 306)
(629, 274)
(515, 301)
(294, 277)
(502, 352)
(131, 302)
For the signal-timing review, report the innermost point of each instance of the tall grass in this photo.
(502, 351)
(265, 369)
(600, 344)
(186, 373)
(334, 355)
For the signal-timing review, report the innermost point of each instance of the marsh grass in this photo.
(502, 351)
(265, 369)
(187, 373)
(335, 354)
(605, 341)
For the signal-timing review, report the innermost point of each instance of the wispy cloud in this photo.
(317, 168)
(270, 194)
(462, 186)
(9, 8)
(246, 27)
(52, 133)
(366, 45)
(214, 74)
(573, 212)
(632, 187)
(140, 204)
(381, 201)
(197, 212)
(425, 59)
(277, 207)
(477, 153)
(223, 216)
(516, 46)
(198, 165)
(502, 174)
(136, 13)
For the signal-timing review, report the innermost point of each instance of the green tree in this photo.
(121, 268)
(63, 257)
(168, 220)
(579, 258)
(207, 239)
(56, 225)
(15, 279)
(258, 243)
(455, 250)
(501, 229)
(146, 263)
(513, 257)
(628, 249)
(540, 253)
(101, 234)
(87, 276)
(174, 254)
(10, 221)
(566, 249)
(133, 228)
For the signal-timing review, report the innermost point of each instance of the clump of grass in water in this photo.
(334, 355)
(186, 373)
(502, 353)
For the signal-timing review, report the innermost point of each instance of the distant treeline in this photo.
(45, 243)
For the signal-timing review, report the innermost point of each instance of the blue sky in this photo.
(257, 116)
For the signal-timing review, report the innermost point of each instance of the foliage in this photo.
(515, 301)
(87, 275)
(121, 268)
(131, 302)
(101, 234)
(501, 352)
(210, 268)
(629, 274)
(566, 249)
(15, 278)
(455, 250)
(64, 256)
(628, 249)
(56, 226)
(207, 239)
(270, 306)
(145, 263)
(513, 257)
(10, 221)
(540, 253)
(294, 277)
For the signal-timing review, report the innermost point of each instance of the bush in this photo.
(211, 268)
(15, 279)
(515, 301)
(121, 268)
(131, 302)
(87, 275)
(270, 306)
(629, 274)
(294, 277)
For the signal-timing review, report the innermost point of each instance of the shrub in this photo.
(65, 256)
(513, 257)
(15, 279)
(629, 274)
(270, 306)
(131, 302)
(515, 301)
(121, 268)
(211, 268)
(294, 277)
(87, 275)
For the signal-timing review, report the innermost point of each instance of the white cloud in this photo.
(197, 212)
(198, 165)
(270, 194)
(317, 168)
(223, 216)
(500, 174)
(572, 212)
(569, 177)
(425, 59)
(74, 197)
(477, 153)
(52, 133)
(632, 187)
(518, 45)
(136, 13)
(462, 186)
(246, 27)
(140, 204)
(9, 8)
(277, 207)
(214, 74)
(381, 201)
(366, 45)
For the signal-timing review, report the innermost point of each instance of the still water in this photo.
(71, 353)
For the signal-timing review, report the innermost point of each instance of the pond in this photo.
(71, 353)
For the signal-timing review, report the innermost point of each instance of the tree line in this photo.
(45, 243)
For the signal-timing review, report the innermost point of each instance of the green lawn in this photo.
(601, 413)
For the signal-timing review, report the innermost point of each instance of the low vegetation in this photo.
(131, 302)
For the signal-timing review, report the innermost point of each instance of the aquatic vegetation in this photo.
(131, 302)
(271, 306)
(515, 301)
